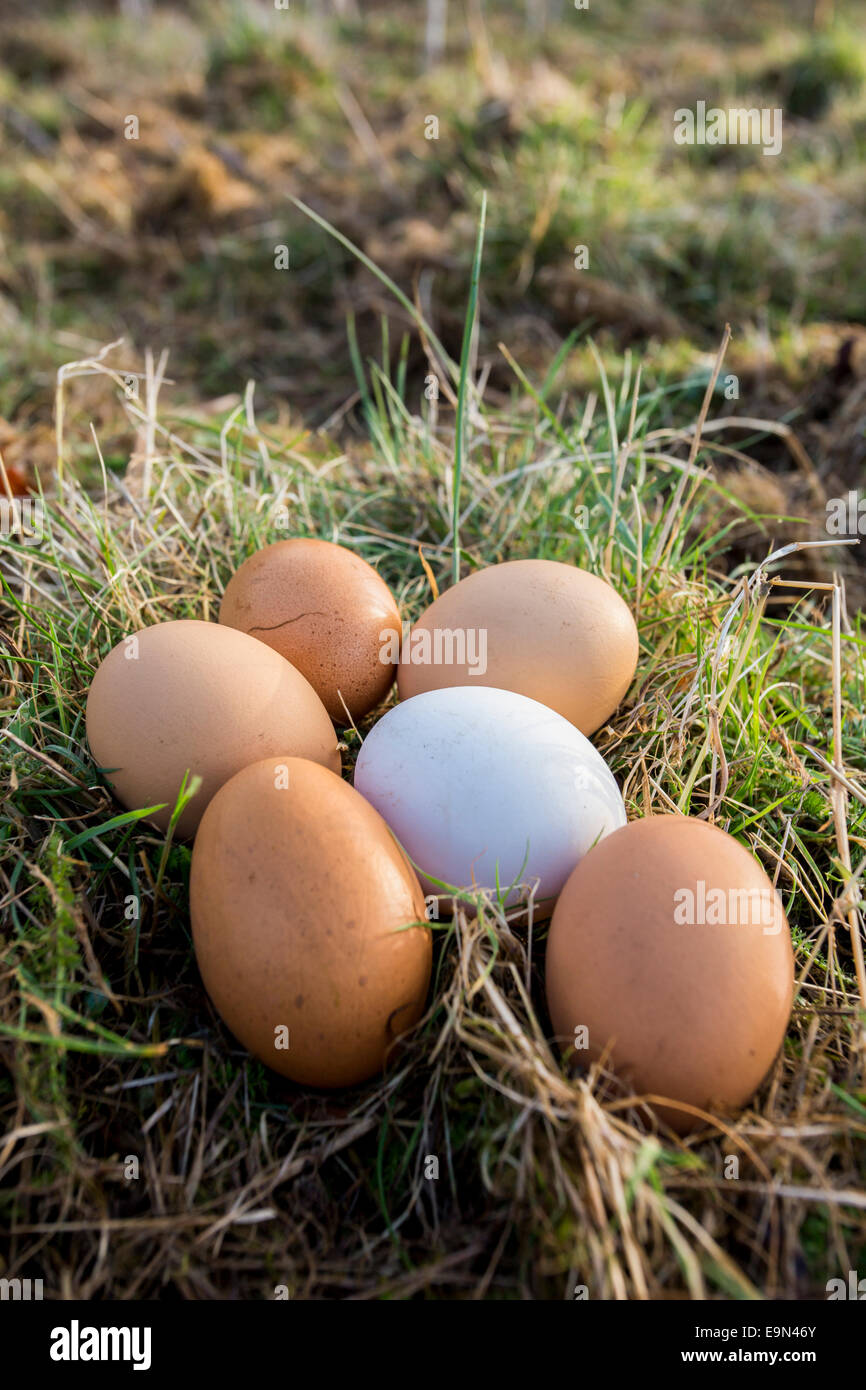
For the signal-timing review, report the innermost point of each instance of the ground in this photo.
(580, 394)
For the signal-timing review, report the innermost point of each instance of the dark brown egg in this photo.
(327, 612)
(670, 947)
(303, 915)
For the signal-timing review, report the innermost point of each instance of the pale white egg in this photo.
(485, 788)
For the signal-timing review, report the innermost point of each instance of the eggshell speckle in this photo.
(552, 631)
(195, 696)
(472, 779)
(325, 610)
(301, 903)
(669, 943)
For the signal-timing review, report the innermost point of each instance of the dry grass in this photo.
(546, 1182)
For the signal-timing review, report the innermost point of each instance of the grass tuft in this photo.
(544, 1183)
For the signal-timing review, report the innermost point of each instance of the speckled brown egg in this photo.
(538, 627)
(670, 946)
(308, 923)
(328, 612)
(193, 696)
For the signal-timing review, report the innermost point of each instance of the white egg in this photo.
(484, 788)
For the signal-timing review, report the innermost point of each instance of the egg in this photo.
(194, 696)
(487, 788)
(308, 923)
(670, 946)
(538, 627)
(327, 612)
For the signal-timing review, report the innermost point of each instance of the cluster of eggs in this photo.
(310, 899)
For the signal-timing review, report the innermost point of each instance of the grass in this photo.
(567, 129)
(245, 1184)
(580, 417)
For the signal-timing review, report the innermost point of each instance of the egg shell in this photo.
(202, 698)
(471, 777)
(553, 632)
(694, 1011)
(327, 612)
(301, 903)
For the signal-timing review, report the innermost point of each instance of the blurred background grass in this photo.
(565, 116)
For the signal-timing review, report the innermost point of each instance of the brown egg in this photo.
(192, 696)
(540, 628)
(669, 944)
(301, 904)
(327, 611)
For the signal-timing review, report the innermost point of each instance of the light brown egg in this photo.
(538, 627)
(328, 612)
(669, 944)
(192, 696)
(302, 905)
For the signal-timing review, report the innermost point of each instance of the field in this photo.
(343, 259)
